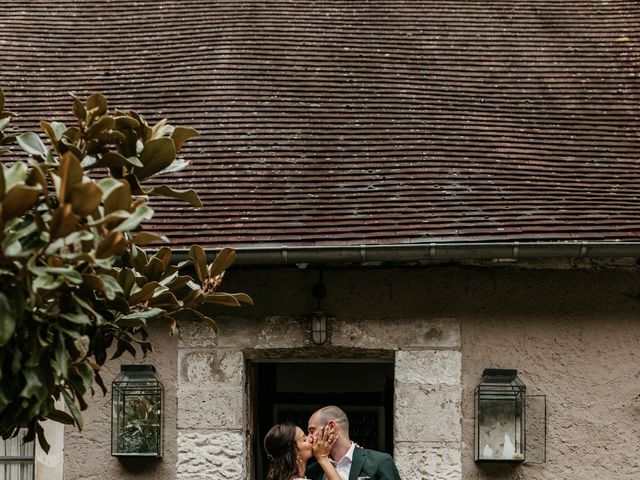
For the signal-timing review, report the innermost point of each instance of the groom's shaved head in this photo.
(329, 413)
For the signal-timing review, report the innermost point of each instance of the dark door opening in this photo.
(292, 391)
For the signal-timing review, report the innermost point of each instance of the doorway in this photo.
(291, 391)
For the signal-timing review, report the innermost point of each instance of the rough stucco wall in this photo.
(572, 334)
(87, 454)
(574, 337)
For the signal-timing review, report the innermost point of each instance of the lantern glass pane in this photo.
(500, 417)
(137, 414)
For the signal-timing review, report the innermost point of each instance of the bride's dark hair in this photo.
(280, 445)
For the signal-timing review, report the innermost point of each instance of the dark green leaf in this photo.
(60, 416)
(156, 155)
(31, 143)
(42, 441)
(144, 314)
(142, 213)
(7, 320)
(73, 408)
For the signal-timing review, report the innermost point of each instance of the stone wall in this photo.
(573, 335)
(211, 394)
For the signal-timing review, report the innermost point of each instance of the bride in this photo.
(288, 450)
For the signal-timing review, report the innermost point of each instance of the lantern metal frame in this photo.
(137, 413)
(501, 391)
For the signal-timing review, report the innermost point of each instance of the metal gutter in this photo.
(425, 253)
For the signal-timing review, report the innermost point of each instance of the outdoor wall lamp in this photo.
(319, 327)
(500, 401)
(137, 413)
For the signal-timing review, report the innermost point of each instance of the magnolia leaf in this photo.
(85, 198)
(107, 185)
(58, 128)
(73, 408)
(199, 262)
(145, 293)
(51, 133)
(7, 320)
(146, 238)
(193, 298)
(143, 314)
(112, 287)
(156, 155)
(105, 123)
(46, 282)
(42, 440)
(142, 213)
(14, 175)
(31, 143)
(164, 255)
(63, 222)
(70, 172)
(224, 259)
(60, 416)
(32, 383)
(166, 300)
(18, 200)
(116, 159)
(190, 196)
(179, 282)
(79, 318)
(181, 134)
(219, 298)
(118, 199)
(68, 273)
(243, 297)
(98, 102)
(123, 122)
(155, 269)
(71, 136)
(115, 243)
(205, 319)
(177, 166)
(160, 128)
(86, 373)
(79, 110)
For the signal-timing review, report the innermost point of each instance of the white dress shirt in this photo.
(343, 466)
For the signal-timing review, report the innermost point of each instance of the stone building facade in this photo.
(572, 333)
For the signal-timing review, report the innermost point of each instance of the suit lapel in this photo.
(359, 455)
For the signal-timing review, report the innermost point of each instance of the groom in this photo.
(351, 463)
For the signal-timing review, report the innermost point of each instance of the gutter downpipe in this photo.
(424, 252)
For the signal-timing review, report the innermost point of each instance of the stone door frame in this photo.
(213, 399)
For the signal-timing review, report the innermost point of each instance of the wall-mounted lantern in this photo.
(137, 412)
(319, 327)
(317, 324)
(500, 417)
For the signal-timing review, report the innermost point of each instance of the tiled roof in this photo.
(361, 122)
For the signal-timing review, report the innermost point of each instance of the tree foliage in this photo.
(75, 282)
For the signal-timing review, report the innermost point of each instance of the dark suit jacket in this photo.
(365, 463)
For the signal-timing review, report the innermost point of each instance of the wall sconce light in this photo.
(137, 413)
(500, 417)
(319, 327)
(317, 324)
(511, 426)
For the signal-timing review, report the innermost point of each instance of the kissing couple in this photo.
(337, 457)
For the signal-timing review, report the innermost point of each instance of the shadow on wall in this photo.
(139, 465)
